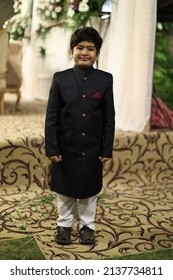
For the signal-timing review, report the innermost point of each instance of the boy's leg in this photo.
(66, 215)
(86, 214)
(66, 210)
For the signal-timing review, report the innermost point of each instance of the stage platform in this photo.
(135, 207)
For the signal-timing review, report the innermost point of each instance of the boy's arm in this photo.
(108, 122)
(103, 159)
(52, 121)
(56, 158)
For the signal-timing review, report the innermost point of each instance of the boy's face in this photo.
(85, 54)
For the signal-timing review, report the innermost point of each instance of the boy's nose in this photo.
(84, 51)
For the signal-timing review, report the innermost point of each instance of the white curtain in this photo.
(128, 53)
(29, 66)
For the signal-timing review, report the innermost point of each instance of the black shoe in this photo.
(86, 235)
(63, 235)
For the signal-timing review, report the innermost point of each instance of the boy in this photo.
(79, 133)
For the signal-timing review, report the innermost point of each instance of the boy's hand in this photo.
(103, 159)
(56, 158)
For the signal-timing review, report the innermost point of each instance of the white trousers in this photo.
(70, 208)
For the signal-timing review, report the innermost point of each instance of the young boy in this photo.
(79, 133)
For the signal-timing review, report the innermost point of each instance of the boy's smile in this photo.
(85, 54)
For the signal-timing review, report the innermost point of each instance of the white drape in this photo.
(29, 65)
(128, 54)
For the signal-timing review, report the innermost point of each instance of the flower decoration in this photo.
(20, 25)
(51, 10)
(17, 6)
(50, 13)
(79, 11)
(73, 13)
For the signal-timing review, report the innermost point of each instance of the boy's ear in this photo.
(98, 53)
(72, 52)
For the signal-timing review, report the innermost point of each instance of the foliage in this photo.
(72, 13)
(17, 6)
(20, 249)
(163, 66)
(22, 221)
(50, 9)
(20, 25)
(166, 254)
(43, 30)
(79, 12)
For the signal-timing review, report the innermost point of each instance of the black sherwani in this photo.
(80, 127)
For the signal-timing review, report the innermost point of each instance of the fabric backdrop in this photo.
(128, 52)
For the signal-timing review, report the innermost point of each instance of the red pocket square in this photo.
(97, 95)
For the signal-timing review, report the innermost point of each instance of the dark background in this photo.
(6, 11)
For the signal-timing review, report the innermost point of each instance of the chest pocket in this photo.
(96, 100)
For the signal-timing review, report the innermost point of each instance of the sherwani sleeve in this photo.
(108, 120)
(53, 119)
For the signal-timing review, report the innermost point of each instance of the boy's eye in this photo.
(79, 48)
(91, 49)
(88, 48)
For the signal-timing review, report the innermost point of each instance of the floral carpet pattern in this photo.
(135, 207)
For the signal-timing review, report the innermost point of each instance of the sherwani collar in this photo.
(82, 71)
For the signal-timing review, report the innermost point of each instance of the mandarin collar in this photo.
(83, 71)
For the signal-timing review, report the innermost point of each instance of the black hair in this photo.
(86, 34)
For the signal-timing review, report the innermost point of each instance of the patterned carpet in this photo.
(135, 207)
